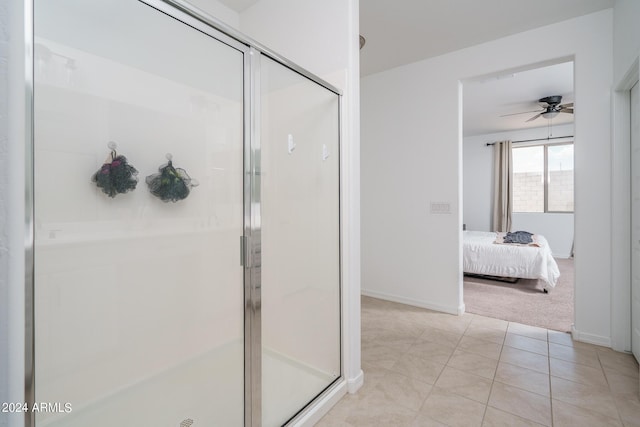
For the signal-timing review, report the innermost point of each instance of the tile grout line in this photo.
(615, 400)
(493, 380)
(469, 325)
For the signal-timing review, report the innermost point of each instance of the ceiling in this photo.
(485, 100)
(403, 31)
(399, 32)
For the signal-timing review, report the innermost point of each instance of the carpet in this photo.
(524, 302)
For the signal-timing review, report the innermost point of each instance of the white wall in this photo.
(218, 10)
(322, 33)
(626, 50)
(626, 36)
(557, 228)
(477, 171)
(411, 155)
(477, 184)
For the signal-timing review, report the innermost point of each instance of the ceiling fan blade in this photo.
(523, 112)
(566, 110)
(568, 105)
(534, 117)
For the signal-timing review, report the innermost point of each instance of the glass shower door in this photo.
(300, 286)
(139, 302)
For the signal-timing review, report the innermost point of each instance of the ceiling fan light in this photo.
(550, 114)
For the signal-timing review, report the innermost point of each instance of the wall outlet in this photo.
(440, 207)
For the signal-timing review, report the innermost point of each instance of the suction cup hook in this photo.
(112, 146)
(169, 156)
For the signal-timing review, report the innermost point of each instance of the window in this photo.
(543, 178)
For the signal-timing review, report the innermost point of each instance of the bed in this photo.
(483, 256)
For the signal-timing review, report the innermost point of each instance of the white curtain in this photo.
(502, 186)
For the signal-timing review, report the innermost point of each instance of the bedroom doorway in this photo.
(533, 108)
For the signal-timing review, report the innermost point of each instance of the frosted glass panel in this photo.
(300, 241)
(139, 302)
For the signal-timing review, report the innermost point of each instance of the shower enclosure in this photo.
(220, 306)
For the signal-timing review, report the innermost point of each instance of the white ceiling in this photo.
(399, 32)
(485, 100)
(402, 31)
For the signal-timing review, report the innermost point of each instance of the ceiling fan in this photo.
(552, 109)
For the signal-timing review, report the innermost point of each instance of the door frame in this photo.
(621, 210)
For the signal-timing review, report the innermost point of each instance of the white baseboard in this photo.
(416, 303)
(354, 384)
(590, 338)
(321, 407)
(461, 309)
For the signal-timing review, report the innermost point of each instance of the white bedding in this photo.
(482, 256)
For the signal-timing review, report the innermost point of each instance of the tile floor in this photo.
(424, 368)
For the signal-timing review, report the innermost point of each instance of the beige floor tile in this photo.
(380, 355)
(566, 415)
(404, 391)
(375, 410)
(327, 421)
(473, 363)
(496, 418)
(423, 420)
(526, 343)
(622, 385)
(400, 325)
(629, 410)
(597, 399)
(372, 376)
(489, 322)
(368, 336)
(449, 323)
(427, 318)
(440, 336)
(418, 368)
(523, 378)
(578, 373)
(435, 352)
(527, 331)
(484, 333)
(375, 323)
(400, 340)
(565, 338)
(579, 355)
(464, 384)
(339, 413)
(480, 347)
(451, 409)
(621, 362)
(405, 350)
(524, 404)
(525, 359)
(558, 337)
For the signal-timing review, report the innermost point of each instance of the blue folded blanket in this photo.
(522, 237)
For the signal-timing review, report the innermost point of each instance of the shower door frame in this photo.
(250, 241)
